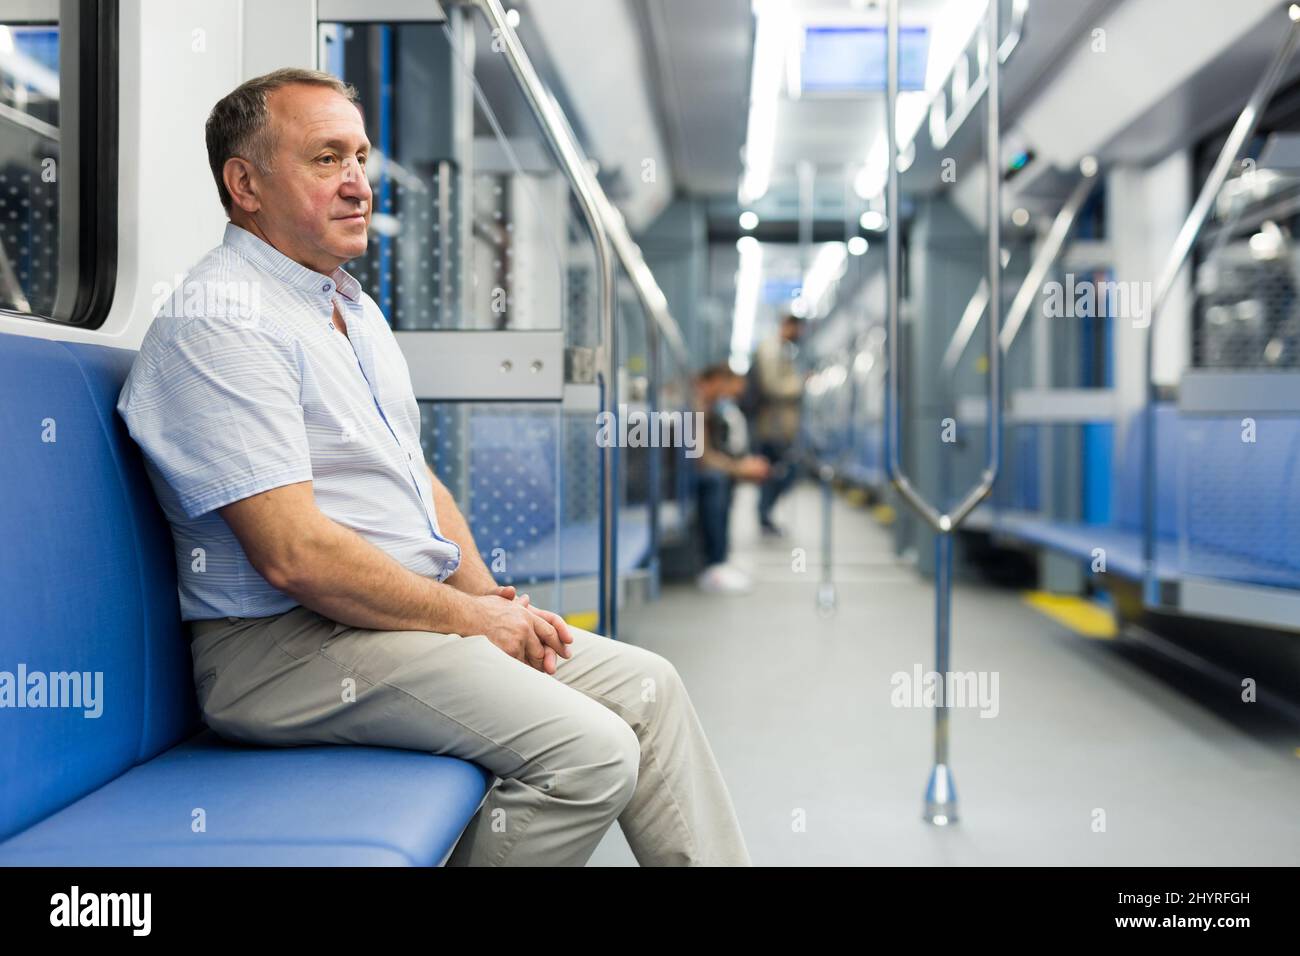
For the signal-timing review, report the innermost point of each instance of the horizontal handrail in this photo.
(1048, 252)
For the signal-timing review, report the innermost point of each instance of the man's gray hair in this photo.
(239, 125)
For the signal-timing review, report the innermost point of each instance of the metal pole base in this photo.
(826, 599)
(940, 797)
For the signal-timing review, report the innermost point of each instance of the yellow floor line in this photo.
(883, 514)
(856, 497)
(586, 620)
(1078, 614)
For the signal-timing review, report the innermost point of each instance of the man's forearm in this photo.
(345, 578)
(473, 576)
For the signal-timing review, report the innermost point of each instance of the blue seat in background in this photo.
(1243, 497)
(1225, 508)
(89, 585)
(1121, 540)
(545, 521)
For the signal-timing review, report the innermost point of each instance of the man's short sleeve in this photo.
(218, 412)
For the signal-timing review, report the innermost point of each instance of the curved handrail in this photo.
(588, 191)
(1033, 281)
(944, 522)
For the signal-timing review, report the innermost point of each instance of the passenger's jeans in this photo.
(611, 735)
(713, 508)
(778, 481)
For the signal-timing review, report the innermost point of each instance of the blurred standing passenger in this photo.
(721, 464)
(776, 424)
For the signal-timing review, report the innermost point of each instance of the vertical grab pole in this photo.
(589, 194)
(826, 589)
(940, 792)
(941, 795)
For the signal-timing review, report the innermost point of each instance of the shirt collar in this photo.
(263, 254)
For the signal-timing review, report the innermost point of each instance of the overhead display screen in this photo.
(840, 59)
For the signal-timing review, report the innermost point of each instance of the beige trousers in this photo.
(611, 735)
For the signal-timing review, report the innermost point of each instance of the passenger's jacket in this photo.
(780, 390)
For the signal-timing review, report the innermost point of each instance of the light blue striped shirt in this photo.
(244, 384)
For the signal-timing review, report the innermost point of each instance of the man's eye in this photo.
(326, 159)
(362, 159)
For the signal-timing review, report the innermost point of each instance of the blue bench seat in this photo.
(1225, 508)
(293, 806)
(579, 549)
(89, 585)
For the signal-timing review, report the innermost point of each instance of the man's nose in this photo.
(355, 183)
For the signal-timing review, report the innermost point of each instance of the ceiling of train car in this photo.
(691, 79)
(835, 134)
(1211, 99)
(701, 55)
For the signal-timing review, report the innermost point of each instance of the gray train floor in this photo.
(824, 770)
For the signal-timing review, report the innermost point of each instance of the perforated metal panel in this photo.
(1238, 499)
(500, 464)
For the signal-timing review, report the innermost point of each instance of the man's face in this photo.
(316, 209)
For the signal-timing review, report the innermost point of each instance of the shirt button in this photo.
(325, 287)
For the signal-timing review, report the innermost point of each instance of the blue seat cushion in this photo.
(281, 806)
(1124, 551)
(577, 549)
(1123, 547)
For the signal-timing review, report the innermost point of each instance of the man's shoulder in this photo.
(223, 292)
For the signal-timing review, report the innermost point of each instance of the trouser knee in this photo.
(605, 775)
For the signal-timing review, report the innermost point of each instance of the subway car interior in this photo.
(843, 363)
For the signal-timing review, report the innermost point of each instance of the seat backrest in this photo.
(87, 585)
(1127, 493)
(1239, 496)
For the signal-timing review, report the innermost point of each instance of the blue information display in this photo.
(843, 59)
(776, 291)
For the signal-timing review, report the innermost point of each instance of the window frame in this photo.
(88, 122)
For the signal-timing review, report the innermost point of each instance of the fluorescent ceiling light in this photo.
(748, 281)
(770, 35)
(828, 266)
(951, 30)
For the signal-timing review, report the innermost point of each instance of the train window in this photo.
(1247, 296)
(473, 225)
(57, 160)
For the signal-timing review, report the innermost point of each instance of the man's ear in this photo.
(238, 175)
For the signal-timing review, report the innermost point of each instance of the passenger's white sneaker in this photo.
(725, 579)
